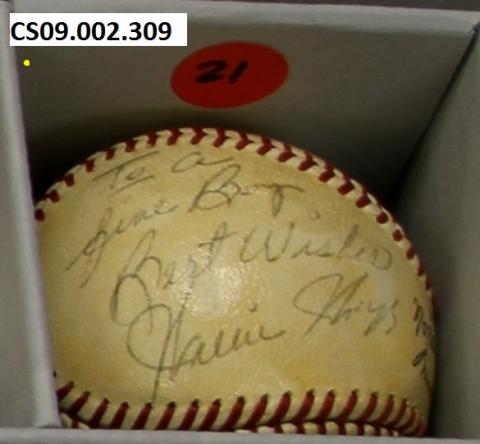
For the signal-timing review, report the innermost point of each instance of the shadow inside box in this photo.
(53, 153)
(454, 338)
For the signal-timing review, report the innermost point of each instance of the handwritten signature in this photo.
(224, 188)
(127, 174)
(110, 227)
(332, 299)
(162, 326)
(424, 329)
(157, 337)
(267, 243)
(273, 244)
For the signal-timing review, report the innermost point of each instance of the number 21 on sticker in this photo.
(214, 70)
(229, 74)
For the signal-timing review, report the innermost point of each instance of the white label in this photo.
(74, 29)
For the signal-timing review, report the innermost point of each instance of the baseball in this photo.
(206, 279)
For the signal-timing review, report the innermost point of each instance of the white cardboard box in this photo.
(369, 89)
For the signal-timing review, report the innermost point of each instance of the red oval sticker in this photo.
(229, 74)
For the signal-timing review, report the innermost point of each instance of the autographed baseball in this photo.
(205, 279)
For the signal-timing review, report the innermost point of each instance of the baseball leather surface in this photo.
(203, 279)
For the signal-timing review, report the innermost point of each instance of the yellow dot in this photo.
(26, 63)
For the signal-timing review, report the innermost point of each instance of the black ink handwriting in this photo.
(332, 299)
(110, 227)
(329, 298)
(385, 313)
(351, 247)
(162, 326)
(223, 188)
(127, 174)
(424, 329)
(195, 159)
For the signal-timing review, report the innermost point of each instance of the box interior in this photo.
(364, 84)
(26, 386)
(440, 206)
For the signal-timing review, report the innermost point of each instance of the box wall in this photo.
(18, 241)
(363, 83)
(440, 207)
(26, 395)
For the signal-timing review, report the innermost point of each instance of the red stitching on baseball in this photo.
(327, 406)
(401, 412)
(94, 421)
(389, 405)
(67, 421)
(286, 154)
(410, 252)
(421, 268)
(362, 201)
(39, 215)
(167, 416)
(119, 416)
(78, 403)
(305, 407)
(349, 406)
(152, 138)
(307, 163)
(198, 135)
(175, 133)
(265, 147)
(397, 235)
(382, 217)
(211, 415)
(360, 429)
(110, 153)
(281, 410)
(277, 427)
(142, 417)
(419, 430)
(69, 180)
(300, 429)
(189, 416)
(89, 165)
(130, 145)
(62, 392)
(257, 412)
(53, 196)
(221, 138)
(234, 414)
(369, 409)
(243, 142)
(410, 421)
(327, 173)
(345, 188)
